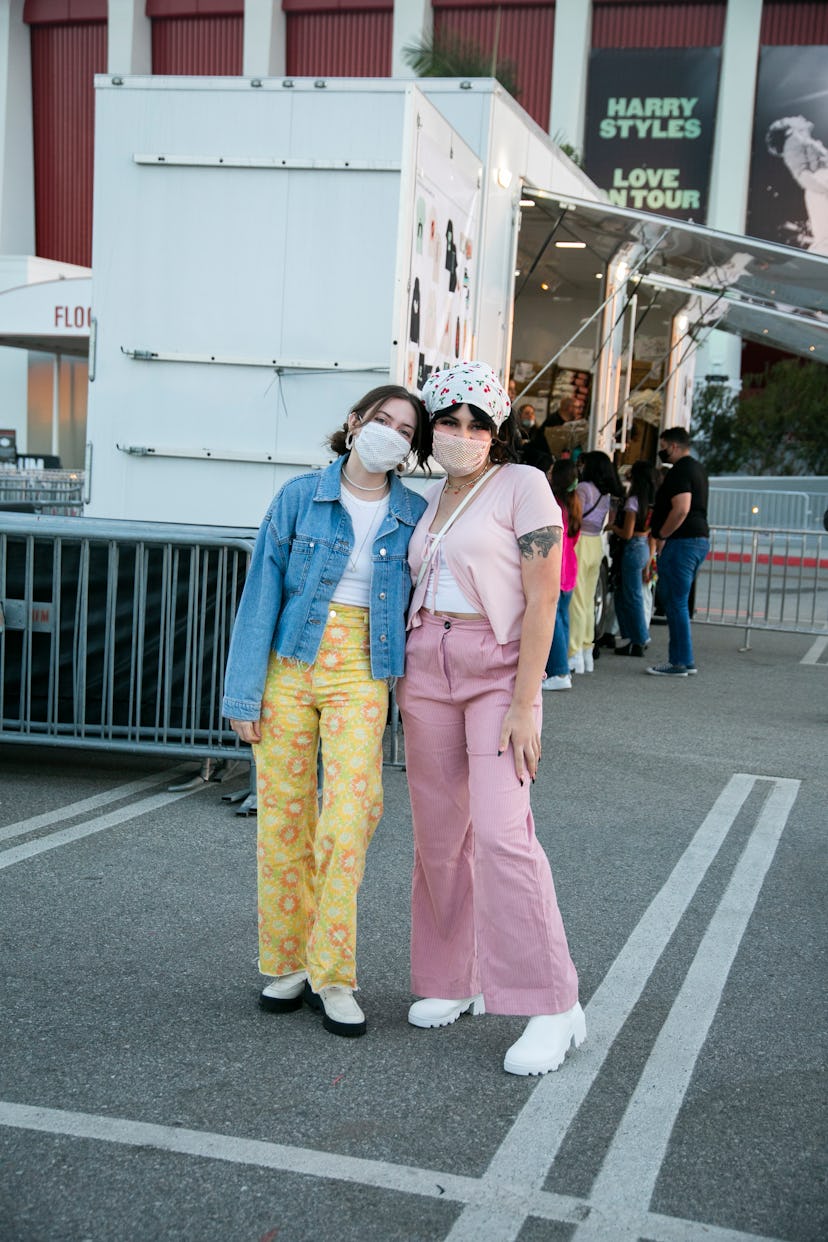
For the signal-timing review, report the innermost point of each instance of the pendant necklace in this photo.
(373, 527)
(470, 483)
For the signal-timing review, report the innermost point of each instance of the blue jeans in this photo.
(678, 564)
(629, 602)
(558, 663)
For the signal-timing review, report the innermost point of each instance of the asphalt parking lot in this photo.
(145, 1096)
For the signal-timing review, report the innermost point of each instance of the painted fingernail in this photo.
(521, 782)
(499, 753)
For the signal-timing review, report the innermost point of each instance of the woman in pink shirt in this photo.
(485, 559)
(563, 477)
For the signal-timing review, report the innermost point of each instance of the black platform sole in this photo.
(275, 1004)
(350, 1030)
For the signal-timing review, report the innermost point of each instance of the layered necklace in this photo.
(462, 487)
(379, 508)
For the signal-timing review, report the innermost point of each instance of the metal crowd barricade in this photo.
(114, 635)
(56, 492)
(754, 508)
(765, 579)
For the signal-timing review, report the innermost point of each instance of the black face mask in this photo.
(664, 455)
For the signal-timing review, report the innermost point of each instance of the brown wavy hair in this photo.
(365, 410)
(563, 473)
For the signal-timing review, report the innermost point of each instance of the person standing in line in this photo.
(527, 420)
(533, 450)
(598, 487)
(486, 931)
(320, 629)
(635, 560)
(567, 412)
(682, 542)
(564, 480)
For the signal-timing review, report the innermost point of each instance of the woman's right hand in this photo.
(248, 730)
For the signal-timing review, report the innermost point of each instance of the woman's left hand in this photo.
(520, 730)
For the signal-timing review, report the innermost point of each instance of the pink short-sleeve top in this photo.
(481, 547)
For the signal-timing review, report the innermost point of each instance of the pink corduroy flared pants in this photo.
(484, 915)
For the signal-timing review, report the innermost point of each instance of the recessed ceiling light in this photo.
(571, 245)
(527, 202)
(544, 286)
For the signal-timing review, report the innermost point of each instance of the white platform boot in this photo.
(546, 1041)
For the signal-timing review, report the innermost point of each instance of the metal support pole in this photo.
(754, 556)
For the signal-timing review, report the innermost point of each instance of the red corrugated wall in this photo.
(526, 36)
(650, 23)
(790, 24)
(341, 44)
(201, 44)
(65, 59)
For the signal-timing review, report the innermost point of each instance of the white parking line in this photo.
(524, 1158)
(812, 655)
(620, 1197)
(226, 1147)
(30, 849)
(497, 1205)
(401, 1178)
(71, 809)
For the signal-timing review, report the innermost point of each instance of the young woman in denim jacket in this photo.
(319, 631)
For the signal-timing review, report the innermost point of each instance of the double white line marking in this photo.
(39, 845)
(511, 1189)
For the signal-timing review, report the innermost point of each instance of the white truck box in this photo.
(263, 255)
(255, 252)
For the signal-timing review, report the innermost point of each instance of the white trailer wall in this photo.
(239, 225)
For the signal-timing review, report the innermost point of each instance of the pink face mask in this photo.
(458, 455)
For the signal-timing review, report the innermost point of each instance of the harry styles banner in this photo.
(788, 199)
(649, 128)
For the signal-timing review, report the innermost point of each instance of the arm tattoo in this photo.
(539, 541)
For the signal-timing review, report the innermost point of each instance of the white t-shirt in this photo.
(443, 593)
(354, 587)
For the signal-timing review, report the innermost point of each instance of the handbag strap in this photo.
(435, 541)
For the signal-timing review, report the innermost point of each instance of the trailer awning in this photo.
(777, 295)
(51, 316)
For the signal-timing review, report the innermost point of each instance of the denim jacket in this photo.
(301, 553)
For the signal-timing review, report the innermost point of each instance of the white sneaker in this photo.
(341, 1015)
(576, 662)
(546, 1041)
(557, 683)
(284, 994)
(589, 661)
(437, 1012)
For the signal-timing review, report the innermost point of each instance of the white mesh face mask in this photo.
(459, 455)
(380, 448)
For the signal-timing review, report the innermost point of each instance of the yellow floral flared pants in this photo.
(311, 863)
